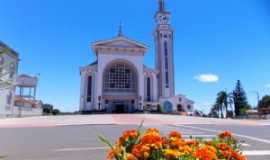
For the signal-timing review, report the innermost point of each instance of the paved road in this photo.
(80, 142)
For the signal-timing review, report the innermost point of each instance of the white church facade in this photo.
(119, 82)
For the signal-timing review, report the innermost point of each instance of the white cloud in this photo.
(207, 78)
(267, 86)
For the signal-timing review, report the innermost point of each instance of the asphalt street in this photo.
(81, 142)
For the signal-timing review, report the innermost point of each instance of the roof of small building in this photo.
(12, 51)
(93, 63)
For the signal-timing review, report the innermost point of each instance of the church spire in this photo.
(161, 5)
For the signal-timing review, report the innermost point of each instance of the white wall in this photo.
(5, 108)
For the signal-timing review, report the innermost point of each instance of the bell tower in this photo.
(164, 56)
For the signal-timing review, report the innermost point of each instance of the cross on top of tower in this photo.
(161, 5)
(120, 30)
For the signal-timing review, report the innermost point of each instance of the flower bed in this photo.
(150, 145)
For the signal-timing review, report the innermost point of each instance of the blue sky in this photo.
(226, 38)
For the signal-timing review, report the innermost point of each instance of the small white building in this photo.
(119, 82)
(8, 72)
(26, 103)
(12, 103)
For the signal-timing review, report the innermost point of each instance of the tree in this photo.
(159, 108)
(214, 111)
(56, 112)
(47, 109)
(222, 102)
(240, 100)
(264, 104)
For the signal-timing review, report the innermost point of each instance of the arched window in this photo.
(168, 107)
(120, 77)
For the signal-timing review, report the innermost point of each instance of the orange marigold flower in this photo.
(172, 154)
(113, 153)
(175, 134)
(130, 134)
(152, 144)
(225, 134)
(145, 148)
(177, 143)
(136, 151)
(152, 130)
(131, 157)
(186, 149)
(110, 155)
(152, 139)
(224, 147)
(192, 142)
(226, 154)
(206, 153)
(146, 155)
(238, 156)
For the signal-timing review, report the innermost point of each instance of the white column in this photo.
(99, 82)
(155, 88)
(82, 95)
(141, 86)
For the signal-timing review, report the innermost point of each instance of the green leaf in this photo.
(105, 141)
(140, 126)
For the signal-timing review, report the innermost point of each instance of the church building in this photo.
(119, 82)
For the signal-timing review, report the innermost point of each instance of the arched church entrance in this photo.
(168, 107)
(120, 87)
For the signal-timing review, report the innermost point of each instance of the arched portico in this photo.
(120, 83)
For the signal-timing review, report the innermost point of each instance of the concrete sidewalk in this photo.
(118, 119)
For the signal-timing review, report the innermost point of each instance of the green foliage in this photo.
(214, 111)
(240, 100)
(47, 109)
(264, 102)
(56, 112)
(160, 109)
(222, 102)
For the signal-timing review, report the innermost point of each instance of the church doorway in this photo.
(168, 107)
(119, 108)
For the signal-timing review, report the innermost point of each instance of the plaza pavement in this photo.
(120, 119)
(75, 137)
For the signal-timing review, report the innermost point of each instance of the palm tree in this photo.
(222, 102)
(231, 102)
